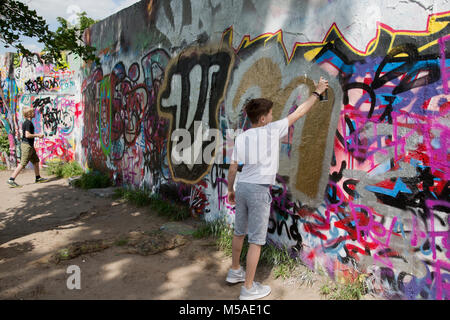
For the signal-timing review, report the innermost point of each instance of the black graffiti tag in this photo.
(42, 84)
(411, 64)
(52, 116)
(192, 91)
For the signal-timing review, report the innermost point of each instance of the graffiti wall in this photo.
(363, 180)
(54, 93)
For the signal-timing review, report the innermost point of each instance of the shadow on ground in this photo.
(39, 207)
(38, 220)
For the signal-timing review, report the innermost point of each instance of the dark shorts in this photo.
(28, 154)
(252, 211)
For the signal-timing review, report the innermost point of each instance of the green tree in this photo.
(70, 38)
(18, 21)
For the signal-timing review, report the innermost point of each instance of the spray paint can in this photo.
(324, 96)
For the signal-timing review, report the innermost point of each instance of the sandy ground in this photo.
(38, 220)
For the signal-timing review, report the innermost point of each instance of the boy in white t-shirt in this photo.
(258, 149)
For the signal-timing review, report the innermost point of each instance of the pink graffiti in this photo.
(440, 285)
(444, 73)
(223, 199)
(12, 144)
(133, 166)
(415, 233)
(231, 209)
(282, 202)
(364, 148)
(374, 230)
(55, 148)
(78, 112)
(434, 234)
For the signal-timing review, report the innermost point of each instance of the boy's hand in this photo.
(41, 135)
(322, 85)
(231, 197)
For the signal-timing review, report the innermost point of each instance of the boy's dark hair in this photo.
(255, 108)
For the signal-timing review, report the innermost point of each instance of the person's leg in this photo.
(35, 162)
(253, 254)
(236, 273)
(11, 181)
(237, 244)
(39, 179)
(36, 169)
(24, 159)
(17, 171)
(240, 225)
(258, 221)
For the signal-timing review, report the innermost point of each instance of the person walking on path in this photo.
(27, 147)
(258, 150)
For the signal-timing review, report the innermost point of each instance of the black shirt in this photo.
(28, 126)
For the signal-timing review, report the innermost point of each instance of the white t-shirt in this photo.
(258, 149)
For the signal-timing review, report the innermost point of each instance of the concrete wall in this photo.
(363, 179)
(54, 93)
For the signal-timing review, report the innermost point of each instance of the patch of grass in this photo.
(307, 276)
(63, 254)
(92, 180)
(221, 231)
(282, 271)
(326, 289)
(121, 242)
(139, 198)
(171, 211)
(203, 231)
(280, 259)
(353, 291)
(2, 167)
(71, 169)
(348, 291)
(63, 169)
(54, 167)
(213, 228)
(142, 198)
(224, 239)
(271, 256)
(4, 141)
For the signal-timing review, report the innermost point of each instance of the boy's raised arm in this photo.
(306, 106)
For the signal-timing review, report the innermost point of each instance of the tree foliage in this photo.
(70, 38)
(18, 21)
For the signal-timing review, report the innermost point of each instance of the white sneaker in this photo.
(235, 276)
(257, 291)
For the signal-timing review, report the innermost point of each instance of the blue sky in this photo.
(51, 9)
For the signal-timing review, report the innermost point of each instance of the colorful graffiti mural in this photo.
(387, 199)
(53, 93)
(122, 130)
(363, 179)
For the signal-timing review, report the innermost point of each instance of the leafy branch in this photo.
(18, 21)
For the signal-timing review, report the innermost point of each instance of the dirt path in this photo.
(38, 220)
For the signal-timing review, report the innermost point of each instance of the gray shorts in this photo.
(252, 211)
